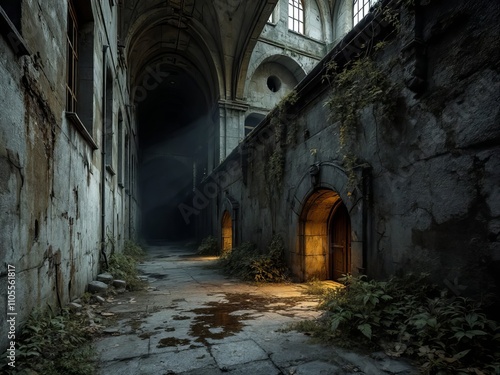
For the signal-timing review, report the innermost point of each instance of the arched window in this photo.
(296, 16)
(361, 9)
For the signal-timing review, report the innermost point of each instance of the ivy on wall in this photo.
(283, 127)
(359, 85)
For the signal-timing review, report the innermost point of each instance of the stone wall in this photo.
(417, 166)
(51, 175)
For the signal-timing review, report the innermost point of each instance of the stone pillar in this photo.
(231, 125)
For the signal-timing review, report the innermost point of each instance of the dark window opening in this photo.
(273, 83)
(80, 68)
(12, 9)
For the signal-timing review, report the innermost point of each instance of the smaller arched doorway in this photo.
(227, 233)
(325, 236)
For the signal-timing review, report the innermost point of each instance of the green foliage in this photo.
(275, 168)
(208, 246)
(245, 262)
(53, 345)
(360, 85)
(409, 316)
(133, 250)
(284, 134)
(123, 266)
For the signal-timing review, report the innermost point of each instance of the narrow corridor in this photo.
(193, 320)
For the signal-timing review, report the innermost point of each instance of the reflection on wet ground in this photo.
(218, 320)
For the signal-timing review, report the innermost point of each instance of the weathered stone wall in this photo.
(50, 175)
(418, 171)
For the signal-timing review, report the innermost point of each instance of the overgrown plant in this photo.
(359, 85)
(247, 263)
(52, 344)
(283, 133)
(208, 246)
(124, 265)
(411, 317)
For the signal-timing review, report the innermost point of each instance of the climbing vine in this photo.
(359, 85)
(284, 129)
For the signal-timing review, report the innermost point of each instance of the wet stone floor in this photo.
(191, 319)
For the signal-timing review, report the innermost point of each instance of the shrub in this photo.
(409, 316)
(123, 265)
(208, 246)
(245, 262)
(53, 345)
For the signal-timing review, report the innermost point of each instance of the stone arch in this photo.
(273, 78)
(226, 232)
(319, 193)
(318, 234)
(229, 234)
(342, 19)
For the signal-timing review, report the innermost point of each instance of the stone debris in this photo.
(73, 306)
(97, 287)
(99, 299)
(119, 284)
(105, 277)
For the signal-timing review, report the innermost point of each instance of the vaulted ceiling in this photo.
(211, 40)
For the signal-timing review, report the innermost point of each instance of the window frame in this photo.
(296, 16)
(360, 8)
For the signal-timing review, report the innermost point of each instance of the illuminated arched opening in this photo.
(325, 236)
(227, 232)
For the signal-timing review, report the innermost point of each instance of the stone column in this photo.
(231, 125)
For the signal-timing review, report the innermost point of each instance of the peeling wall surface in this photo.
(51, 179)
(420, 173)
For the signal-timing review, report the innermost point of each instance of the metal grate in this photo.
(296, 16)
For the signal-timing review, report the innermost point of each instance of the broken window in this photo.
(360, 9)
(296, 16)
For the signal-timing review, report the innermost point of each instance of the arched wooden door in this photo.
(227, 232)
(340, 242)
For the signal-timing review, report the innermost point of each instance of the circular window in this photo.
(273, 83)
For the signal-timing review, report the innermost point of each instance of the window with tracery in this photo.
(361, 9)
(296, 16)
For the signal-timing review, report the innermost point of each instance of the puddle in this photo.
(218, 320)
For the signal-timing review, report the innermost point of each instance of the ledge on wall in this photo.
(75, 120)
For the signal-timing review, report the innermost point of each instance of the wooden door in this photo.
(340, 243)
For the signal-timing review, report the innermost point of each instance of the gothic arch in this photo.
(320, 192)
(229, 233)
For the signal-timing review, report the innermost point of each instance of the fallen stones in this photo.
(119, 284)
(105, 277)
(73, 306)
(97, 287)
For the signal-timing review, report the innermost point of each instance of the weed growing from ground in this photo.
(52, 344)
(247, 263)
(208, 246)
(123, 266)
